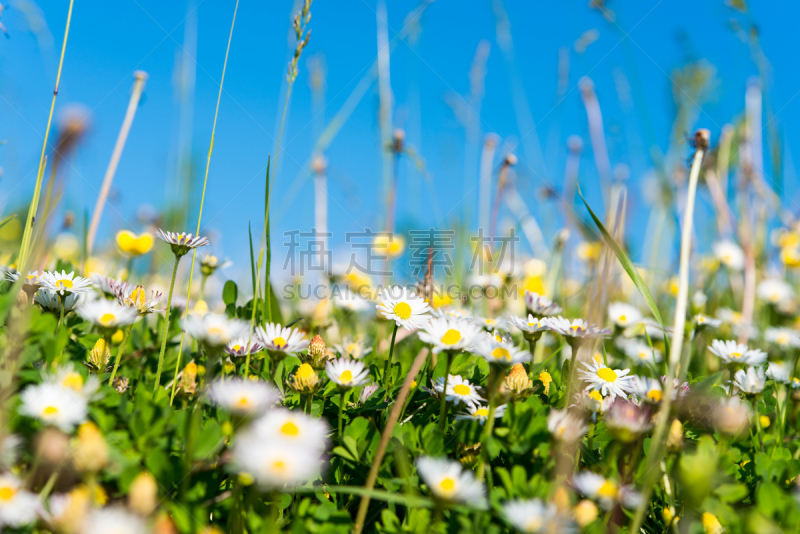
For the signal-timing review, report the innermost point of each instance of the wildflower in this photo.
(593, 402)
(275, 464)
(121, 384)
(304, 380)
(215, 330)
(540, 305)
(353, 349)
(390, 245)
(608, 381)
(90, 450)
(729, 254)
(366, 392)
(132, 245)
(188, 378)
(209, 264)
(774, 291)
(623, 314)
(181, 243)
(143, 494)
(704, 321)
(477, 412)
(317, 356)
(530, 327)
(450, 334)
(292, 428)
(605, 490)
(675, 436)
(786, 338)
(50, 301)
(405, 308)
(30, 283)
(99, 355)
(107, 314)
(278, 339)
(779, 372)
(65, 284)
(731, 416)
(648, 389)
(113, 520)
(566, 426)
(347, 373)
(534, 516)
(517, 381)
(242, 346)
(711, 524)
(585, 512)
(627, 421)
(243, 397)
(349, 300)
(545, 378)
(490, 324)
(733, 352)
(449, 481)
(751, 382)
(68, 510)
(588, 251)
(103, 284)
(18, 506)
(577, 329)
(460, 390)
(135, 297)
(641, 353)
(53, 405)
(500, 352)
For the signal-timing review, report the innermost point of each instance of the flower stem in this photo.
(574, 345)
(443, 408)
(125, 337)
(388, 363)
(61, 300)
(166, 329)
(489, 426)
(341, 411)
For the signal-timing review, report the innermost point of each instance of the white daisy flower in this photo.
(593, 402)
(347, 373)
(614, 382)
(731, 415)
(703, 321)
(275, 464)
(181, 243)
(135, 297)
(64, 284)
(500, 352)
(51, 301)
(460, 390)
(649, 389)
(779, 372)
(751, 382)
(490, 324)
(775, 291)
(534, 516)
(450, 334)
(30, 283)
(458, 313)
(733, 352)
(578, 328)
(783, 337)
(243, 397)
(405, 308)
(353, 349)
(449, 481)
(103, 284)
(243, 345)
(107, 313)
(53, 405)
(477, 412)
(279, 339)
(605, 491)
(626, 421)
(623, 314)
(348, 299)
(71, 380)
(18, 506)
(641, 353)
(113, 520)
(215, 330)
(210, 263)
(539, 305)
(530, 326)
(729, 254)
(566, 426)
(293, 428)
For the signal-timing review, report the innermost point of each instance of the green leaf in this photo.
(229, 293)
(626, 263)
(731, 493)
(378, 495)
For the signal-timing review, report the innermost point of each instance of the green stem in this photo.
(532, 347)
(341, 411)
(489, 426)
(387, 364)
(125, 336)
(574, 345)
(61, 300)
(443, 407)
(166, 330)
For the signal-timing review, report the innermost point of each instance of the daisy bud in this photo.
(675, 436)
(366, 392)
(89, 450)
(52, 446)
(143, 494)
(711, 524)
(305, 379)
(517, 381)
(468, 455)
(317, 356)
(100, 354)
(585, 512)
(545, 378)
(189, 379)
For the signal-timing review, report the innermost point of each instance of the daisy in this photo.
(215, 330)
(783, 337)
(65, 284)
(279, 339)
(18, 506)
(243, 397)
(639, 352)
(103, 284)
(539, 305)
(614, 382)
(593, 402)
(210, 264)
(449, 481)
(181, 243)
(353, 349)
(135, 297)
(404, 307)
(751, 382)
(460, 390)
(107, 313)
(731, 415)
(733, 352)
(729, 254)
(531, 326)
(533, 516)
(346, 373)
(347, 299)
(30, 283)
(500, 352)
(53, 405)
(627, 421)
(113, 520)
(292, 428)
(623, 314)
(277, 465)
(648, 389)
(71, 380)
(566, 426)
(243, 345)
(479, 413)
(775, 291)
(604, 490)
(779, 372)
(490, 324)
(51, 301)
(450, 334)
(703, 321)
(578, 328)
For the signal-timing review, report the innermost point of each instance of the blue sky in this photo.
(110, 40)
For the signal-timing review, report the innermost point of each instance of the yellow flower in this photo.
(764, 420)
(533, 284)
(304, 380)
(441, 298)
(588, 250)
(133, 245)
(391, 246)
(117, 337)
(711, 524)
(791, 256)
(585, 512)
(546, 379)
(100, 354)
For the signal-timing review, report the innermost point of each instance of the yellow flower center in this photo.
(137, 297)
(622, 318)
(289, 429)
(73, 381)
(575, 327)
(64, 283)
(736, 355)
(106, 319)
(461, 389)
(596, 395)
(501, 354)
(402, 310)
(236, 348)
(654, 395)
(305, 371)
(7, 493)
(279, 342)
(346, 377)
(607, 374)
(279, 465)
(451, 337)
(533, 525)
(545, 378)
(351, 348)
(608, 489)
(481, 412)
(50, 410)
(31, 279)
(447, 484)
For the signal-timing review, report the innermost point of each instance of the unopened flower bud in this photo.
(89, 449)
(99, 355)
(189, 379)
(68, 511)
(317, 357)
(545, 378)
(143, 494)
(52, 445)
(517, 381)
(585, 512)
(305, 379)
(675, 436)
